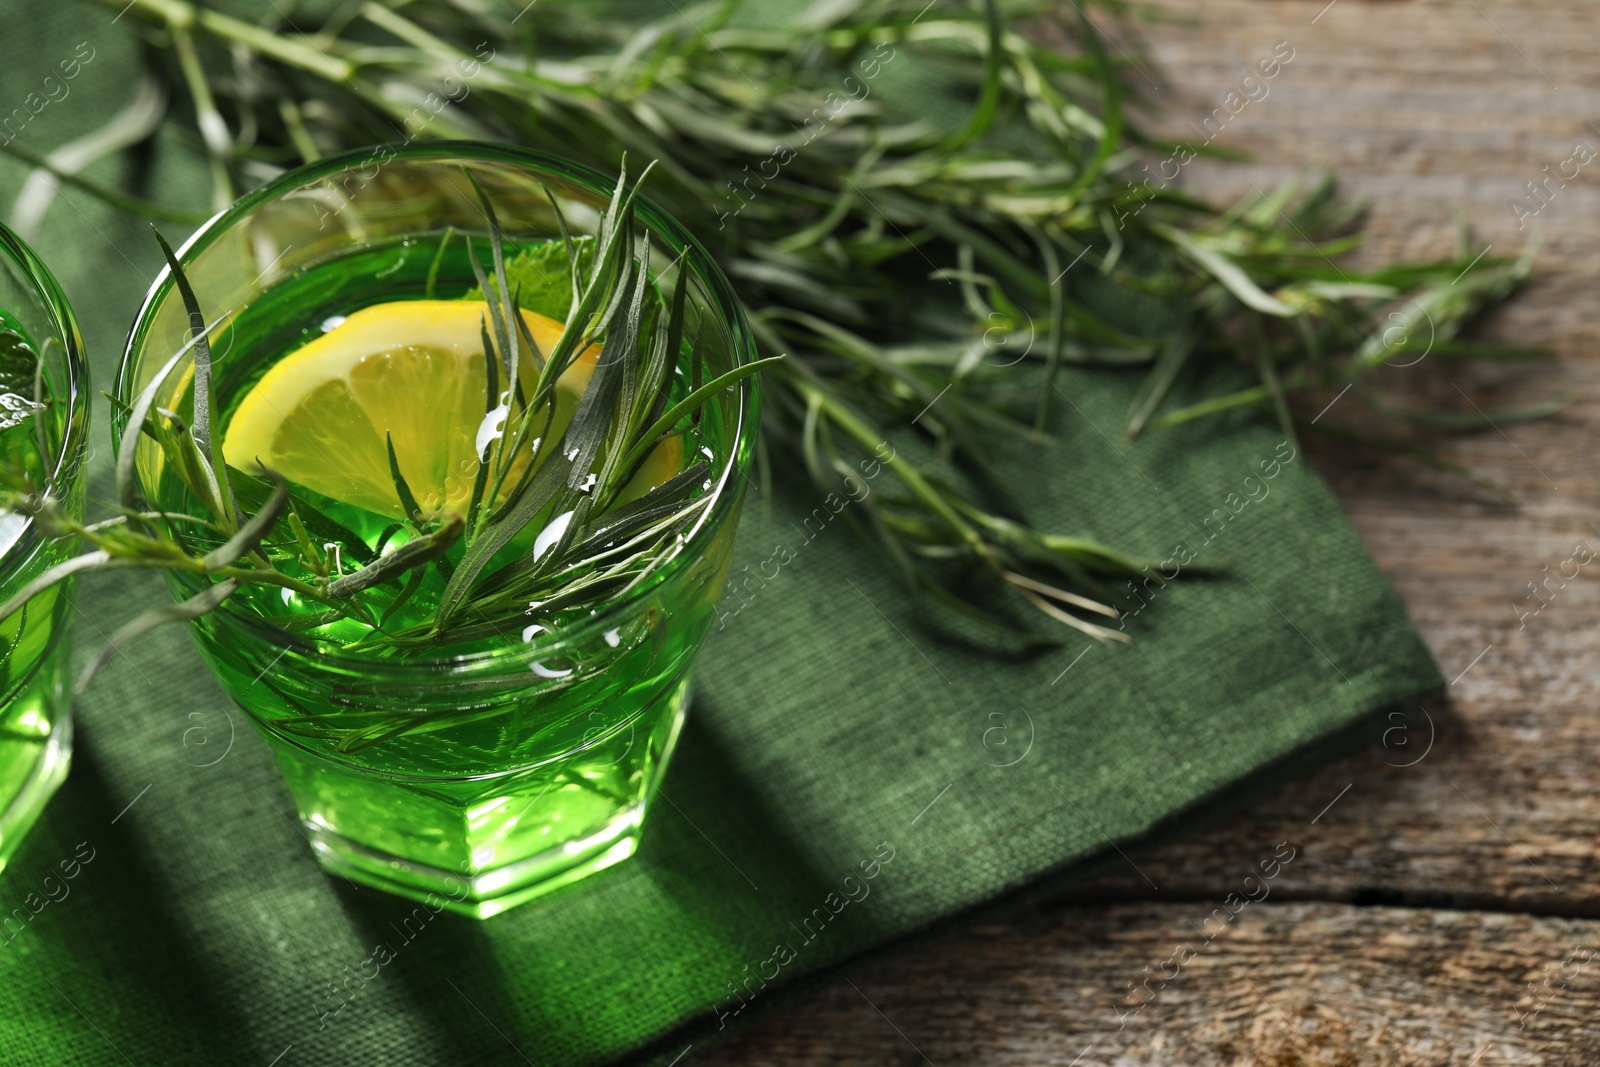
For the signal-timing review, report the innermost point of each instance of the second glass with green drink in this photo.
(44, 425)
(491, 723)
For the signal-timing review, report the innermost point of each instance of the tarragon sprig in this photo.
(913, 270)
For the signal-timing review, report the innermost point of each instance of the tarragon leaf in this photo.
(424, 549)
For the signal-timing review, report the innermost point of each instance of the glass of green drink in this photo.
(44, 425)
(347, 343)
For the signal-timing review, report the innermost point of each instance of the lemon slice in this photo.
(413, 370)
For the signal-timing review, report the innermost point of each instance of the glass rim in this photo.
(725, 304)
(75, 437)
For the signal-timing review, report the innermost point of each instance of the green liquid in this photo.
(34, 737)
(402, 776)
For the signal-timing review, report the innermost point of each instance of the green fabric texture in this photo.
(830, 729)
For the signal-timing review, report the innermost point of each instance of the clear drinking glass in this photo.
(44, 426)
(523, 766)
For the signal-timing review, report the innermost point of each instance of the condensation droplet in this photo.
(490, 429)
(551, 534)
(548, 672)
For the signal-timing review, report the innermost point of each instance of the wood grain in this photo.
(1478, 814)
(1283, 984)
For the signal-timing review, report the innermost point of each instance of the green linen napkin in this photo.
(846, 777)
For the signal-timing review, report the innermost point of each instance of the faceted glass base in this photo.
(477, 846)
(35, 750)
(486, 893)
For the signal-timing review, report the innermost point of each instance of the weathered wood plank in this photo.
(1278, 984)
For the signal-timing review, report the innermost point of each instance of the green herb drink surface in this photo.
(564, 744)
(315, 301)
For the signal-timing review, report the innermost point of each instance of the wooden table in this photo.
(1439, 912)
